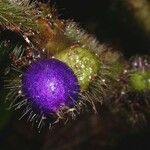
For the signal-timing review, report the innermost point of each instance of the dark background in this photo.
(112, 23)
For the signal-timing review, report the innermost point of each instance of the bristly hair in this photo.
(19, 14)
(77, 34)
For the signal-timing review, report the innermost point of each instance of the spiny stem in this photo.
(17, 15)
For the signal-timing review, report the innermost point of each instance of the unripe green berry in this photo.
(84, 63)
(140, 80)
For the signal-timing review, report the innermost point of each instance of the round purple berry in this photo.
(50, 84)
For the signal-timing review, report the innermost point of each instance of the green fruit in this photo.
(140, 80)
(83, 62)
